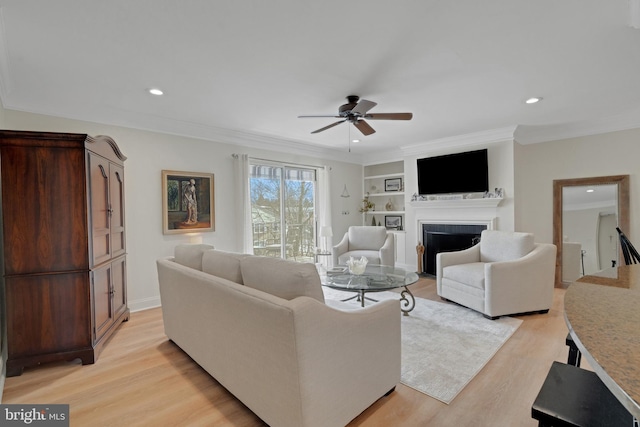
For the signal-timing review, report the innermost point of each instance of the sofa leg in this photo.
(390, 391)
(491, 317)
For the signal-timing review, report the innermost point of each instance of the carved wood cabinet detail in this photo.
(62, 246)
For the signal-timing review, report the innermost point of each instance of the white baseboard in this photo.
(144, 304)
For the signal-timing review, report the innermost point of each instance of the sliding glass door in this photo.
(283, 211)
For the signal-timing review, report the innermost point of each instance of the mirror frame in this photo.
(623, 211)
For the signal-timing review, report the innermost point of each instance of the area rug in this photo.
(444, 346)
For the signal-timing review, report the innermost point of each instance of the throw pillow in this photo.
(190, 255)
(282, 278)
(223, 264)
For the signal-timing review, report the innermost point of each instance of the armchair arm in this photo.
(522, 285)
(340, 248)
(445, 259)
(388, 252)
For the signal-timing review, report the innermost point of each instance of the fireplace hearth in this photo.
(447, 238)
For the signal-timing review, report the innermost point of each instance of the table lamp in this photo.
(325, 233)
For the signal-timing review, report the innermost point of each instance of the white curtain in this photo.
(324, 200)
(243, 203)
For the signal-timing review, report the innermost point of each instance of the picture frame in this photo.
(393, 222)
(188, 204)
(393, 184)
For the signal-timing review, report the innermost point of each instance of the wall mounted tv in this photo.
(466, 172)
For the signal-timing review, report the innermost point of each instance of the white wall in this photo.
(537, 165)
(148, 153)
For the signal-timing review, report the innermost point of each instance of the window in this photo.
(283, 210)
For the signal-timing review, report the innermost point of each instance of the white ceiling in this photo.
(577, 197)
(244, 70)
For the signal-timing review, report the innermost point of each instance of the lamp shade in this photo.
(325, 231)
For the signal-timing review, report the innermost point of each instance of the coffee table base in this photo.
(408, 303)
(407, 300)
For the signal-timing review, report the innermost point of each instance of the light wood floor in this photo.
(142, 379)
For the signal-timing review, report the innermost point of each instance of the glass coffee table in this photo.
(376, 278)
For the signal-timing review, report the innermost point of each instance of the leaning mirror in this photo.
(586, 212)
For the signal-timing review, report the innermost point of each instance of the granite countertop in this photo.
(602, 312)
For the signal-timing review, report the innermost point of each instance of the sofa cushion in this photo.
(223, 264)
(366, 237)
(282, 278)
(504, 245)
(471, 274)
(191, 255)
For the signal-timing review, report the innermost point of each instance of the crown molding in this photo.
(535, 134)
(490, 136)
(242, 138)
(152, 123)
(522, 134)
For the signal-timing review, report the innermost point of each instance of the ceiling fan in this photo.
(355, 111)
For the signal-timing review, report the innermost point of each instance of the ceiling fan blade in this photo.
(389, 116)
(363, 106)
(364, 127)
(330, 126)
(326, 115)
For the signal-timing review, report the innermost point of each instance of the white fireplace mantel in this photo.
(457, 203)
(490, 223)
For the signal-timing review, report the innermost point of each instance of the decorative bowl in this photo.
(357, 266)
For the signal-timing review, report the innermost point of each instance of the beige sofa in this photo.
(260, 327)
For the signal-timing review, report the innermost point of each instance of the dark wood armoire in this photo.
(62, 246)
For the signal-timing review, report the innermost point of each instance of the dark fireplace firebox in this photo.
(446, 238)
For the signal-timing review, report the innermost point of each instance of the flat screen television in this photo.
(466, 172)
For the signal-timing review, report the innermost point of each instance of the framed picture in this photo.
(393, 222)
(187, 202)
(393, 184)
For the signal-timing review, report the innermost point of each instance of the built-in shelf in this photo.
(374, 180)
(388, 175)
(458, 203)
(387, 194)
(385, 212)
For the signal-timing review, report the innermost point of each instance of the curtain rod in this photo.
(235, 156)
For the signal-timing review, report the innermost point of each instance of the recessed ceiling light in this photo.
(533, 100)
(156, 91)
(591, 190)
(355, 141)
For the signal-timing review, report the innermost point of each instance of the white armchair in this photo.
(374, 243)
(506, 273)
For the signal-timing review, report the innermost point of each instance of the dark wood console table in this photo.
(602, 312)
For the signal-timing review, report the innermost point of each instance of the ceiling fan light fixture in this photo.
(355, 111)
(533, 100)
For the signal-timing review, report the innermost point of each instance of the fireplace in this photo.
(446, 238)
